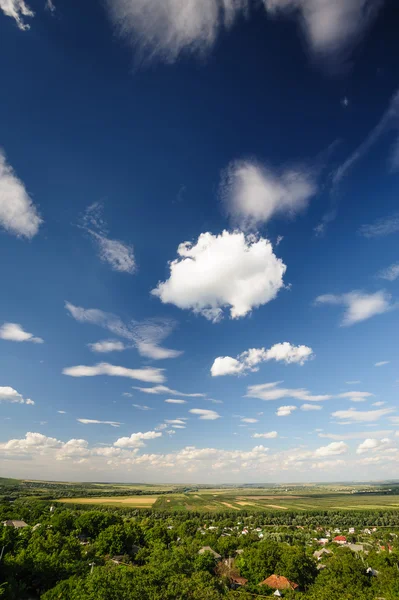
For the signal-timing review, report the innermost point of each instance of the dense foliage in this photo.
(74, 553)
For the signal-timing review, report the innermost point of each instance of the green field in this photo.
(254, 500)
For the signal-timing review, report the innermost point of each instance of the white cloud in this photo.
(142, 407)
(61, 412)
(96, 422)
(163, 389)
(328, 464)
(107, 346)
(378, 403)
(18, 214)
(250, 359)
(127, 394)
(330, 27)
(285, 411)
(254, 194)
(368, 416)
(204, 414)
(8, 394)
(175, 422)
(267, 436)
(391, 273)
(15, 333)
(50, 6)
(174, 401)
(168, 31)
(147, 374)
(359, 306)
(381, 227)
(221, 271)
(331, 450)
(352, 382)
(358, 435)
(17, 10)
(355, 396)
(146, 336)
(118, 255)
(136, 439)
(373, 444)
(271, 391)
(308, 407)
(248, 420)
(394, 420)
(382, 363)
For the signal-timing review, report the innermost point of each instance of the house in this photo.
(237, 582)
(367, 531)
(35, 527)
(356, 547)
(323, 541)
(239, 551)
(390, 548)
(372, 572)
(351, 530)
(209, 549)
(319, 553)
(337, 531)
(279, 582)
(15, 524)
(278, 594)
(340, 539)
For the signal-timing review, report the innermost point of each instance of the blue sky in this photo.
(199, 206)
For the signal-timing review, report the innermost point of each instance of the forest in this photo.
(75, 552)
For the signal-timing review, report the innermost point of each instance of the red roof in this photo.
(340, 538)
(279, 582)
(239, 580)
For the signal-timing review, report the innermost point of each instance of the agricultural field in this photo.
(256, 499)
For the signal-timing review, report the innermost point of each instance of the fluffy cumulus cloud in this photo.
(147, 374)
(285, 411)
(166, 30)
(373, 444)
(331, 450)
(15, 333)
(205, 414)
(163, 389)
(390, 273)
(368, 416)
(146, 336)
(253, 194)
(273, 391)
(268, 436)
(18, 214)
(118, 255)
(136, 440)
(250, 359)
(358, 305)
(17, 10)
(8, 394)
(230, 270)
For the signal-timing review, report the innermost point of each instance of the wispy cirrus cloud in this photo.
(167, 33)
(381, 227)
(148, 374)
(17, 10)
(118, 255)
(97, 422)
(142, 407)
(356, 435)
(146, 336)
(368, 416)
(205, 414)
(163, 389)
(359, 306)
(18, 214)
(272, 391)
(381, 363)
(253, 194)
(390, 273)
(15, 333)
(249, 360)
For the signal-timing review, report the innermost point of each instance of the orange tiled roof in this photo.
(279, 582)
